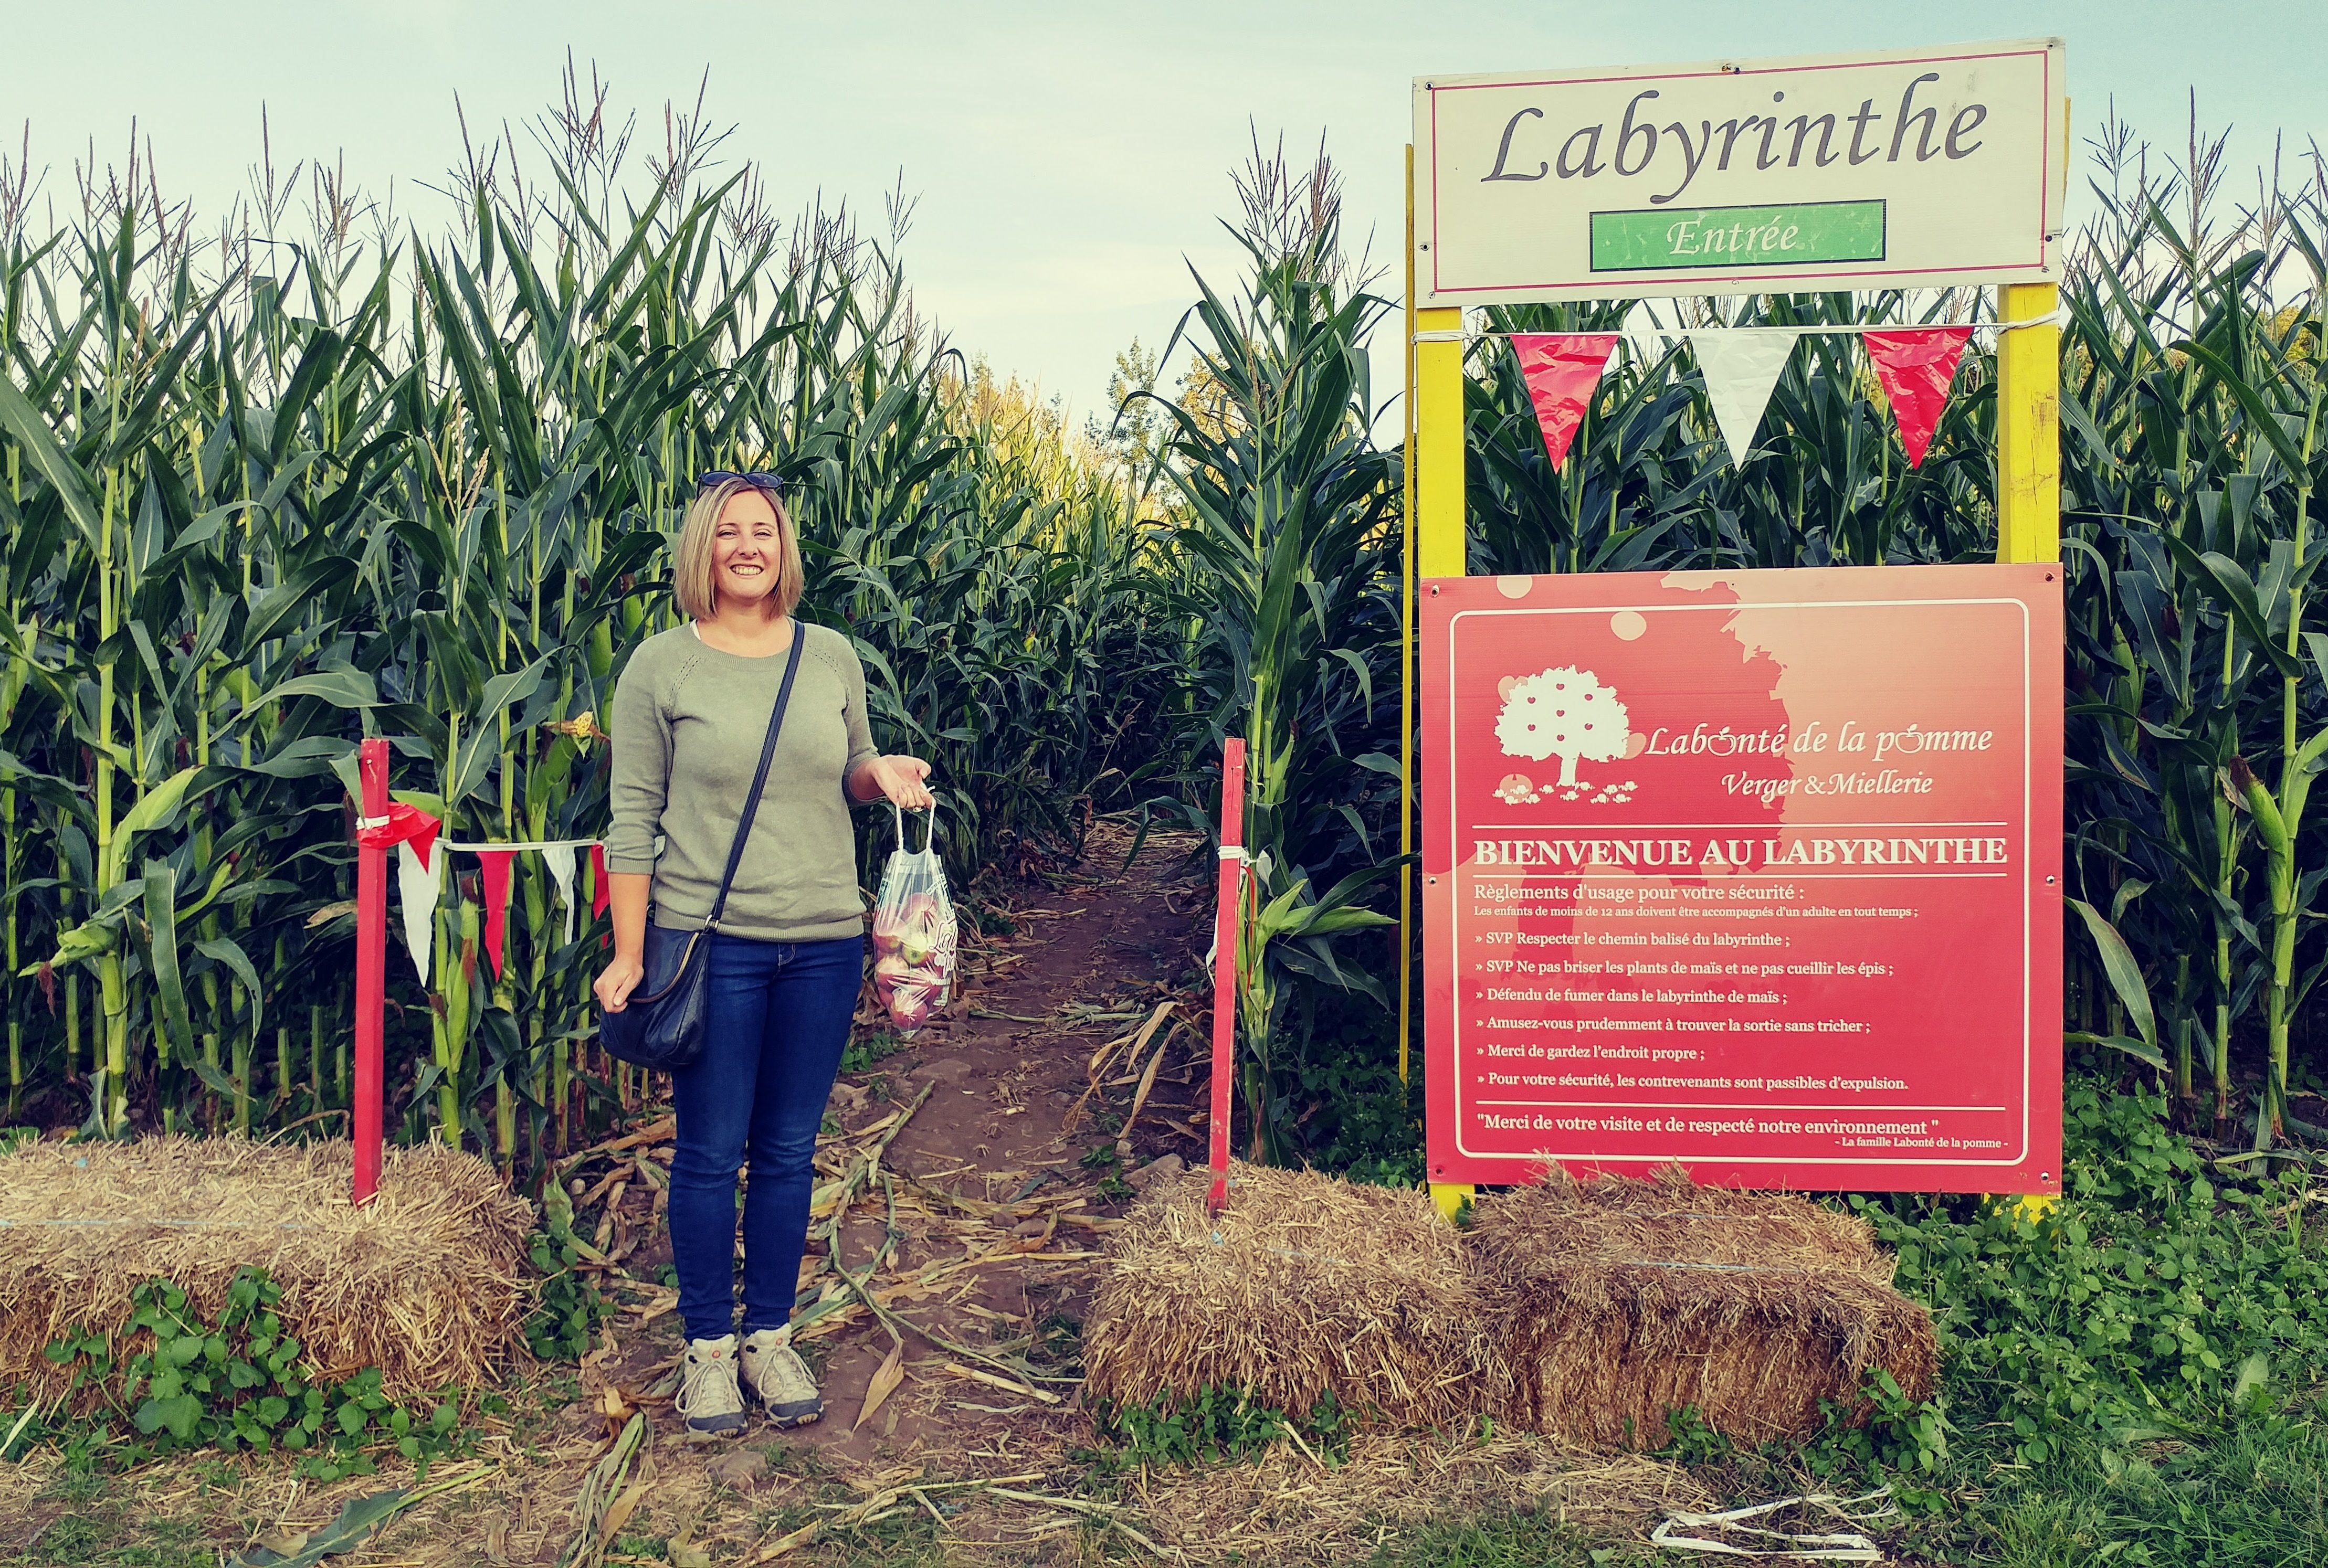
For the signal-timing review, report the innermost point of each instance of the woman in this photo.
(690, 717)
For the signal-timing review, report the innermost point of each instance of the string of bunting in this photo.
(1741, 366)
(421, 869)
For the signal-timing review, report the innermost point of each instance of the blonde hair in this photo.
(695, 584)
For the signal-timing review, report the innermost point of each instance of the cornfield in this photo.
(265, 496)
(2191, 449)
(333, 489)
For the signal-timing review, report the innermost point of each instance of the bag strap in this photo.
(930, 829)
(759, 777)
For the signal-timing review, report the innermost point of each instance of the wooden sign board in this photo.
(1913, 168)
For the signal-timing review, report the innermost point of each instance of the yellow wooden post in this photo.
(2028, 462)
(2028, 453)
(1439, 442)
(1435, 350)
(2028, 426)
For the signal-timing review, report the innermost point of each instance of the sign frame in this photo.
(1991, 221)
(1968, 915)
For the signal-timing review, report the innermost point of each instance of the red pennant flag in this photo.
(1561, 368)
(599, 897)
(496, 865)
(403, 825)
(1915, 368)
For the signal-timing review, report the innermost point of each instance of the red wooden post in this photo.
(371, 966)
(1225, 921)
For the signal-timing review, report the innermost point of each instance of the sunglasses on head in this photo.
(717, 477)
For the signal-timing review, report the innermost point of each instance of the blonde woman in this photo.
(690, 717)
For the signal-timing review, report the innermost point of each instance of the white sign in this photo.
(1905, 169)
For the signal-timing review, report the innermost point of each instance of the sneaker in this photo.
(776, 1377)
(708, 1397)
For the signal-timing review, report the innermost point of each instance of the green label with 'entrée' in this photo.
(1776, 236)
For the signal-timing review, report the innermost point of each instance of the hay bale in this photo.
(1306, 1286)
(429, 1283)
(1617, 1302)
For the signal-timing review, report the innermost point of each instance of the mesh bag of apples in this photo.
(914, 932)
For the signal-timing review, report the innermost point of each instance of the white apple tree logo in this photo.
(1564, 713)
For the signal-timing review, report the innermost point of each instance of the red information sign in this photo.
(1757, 872)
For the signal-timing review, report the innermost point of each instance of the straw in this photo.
(428, 1282)
(1620, 1302)
(1306, 1286)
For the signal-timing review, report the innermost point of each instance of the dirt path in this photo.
(972, 1167)
(1003, 1170)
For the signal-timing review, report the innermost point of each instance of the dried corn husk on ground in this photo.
(428, 1282)
(1287, 1507)
(1305, 1286)
(1617, 1302)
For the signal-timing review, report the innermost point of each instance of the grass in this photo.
(2250, 1491)
(1529, 1538)
(99, 1528)
(2253, 1497)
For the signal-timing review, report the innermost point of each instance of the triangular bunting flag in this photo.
(599, 897)
(557, 859)
(1561, 368)
(1739, 368)
(403, 823)
(1915, 368)
(416, 876)
(494, 865)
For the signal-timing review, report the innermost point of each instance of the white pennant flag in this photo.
(415, 887)
(1739, 368)
(557, 859)
(1646, 334)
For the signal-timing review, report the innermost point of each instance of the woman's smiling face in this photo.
(746, 549)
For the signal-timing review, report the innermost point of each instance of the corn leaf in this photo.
(2125, 973)
(226, 950)
(162, 955)
(24, 425)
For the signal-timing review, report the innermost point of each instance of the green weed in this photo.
(862, 1052)
(1058, 1344)
(1218, 1424)
(2133, 1304)
(238, 1385)
(568, 1307)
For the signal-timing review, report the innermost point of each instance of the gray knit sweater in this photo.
(689, 723)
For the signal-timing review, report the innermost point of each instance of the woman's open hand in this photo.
(616, 981)
(901, 778)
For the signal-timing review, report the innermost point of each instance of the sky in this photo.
(1071, 160)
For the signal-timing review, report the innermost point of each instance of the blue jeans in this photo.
(776, 1018)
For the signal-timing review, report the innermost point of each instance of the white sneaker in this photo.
(778, 1379)
(707, 1397)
